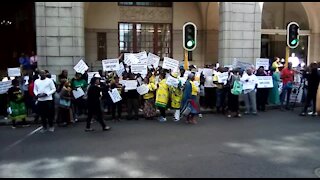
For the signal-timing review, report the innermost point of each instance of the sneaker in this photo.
(176, 120)
(239, 115)
(162, 119)
(315, 114)
(75, 120)
(89, 130)
(51, 129)
(107, 128)
(229, 116)
(246, 113)
(303, 114)
(13, 127)
(5, 118)
(200, 116)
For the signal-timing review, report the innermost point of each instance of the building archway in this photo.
(275, 17)
(17, 32)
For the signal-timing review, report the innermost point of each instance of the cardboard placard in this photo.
(265, 82)
(81, 67)
(171, 81)
(262, 62)
(110, 65)
(143, 89)
(169, 63)
(139, 68)
(14, 72)
(153, 60)
(114, 95)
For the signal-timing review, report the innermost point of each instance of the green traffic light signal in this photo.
(294, 42)
(190, 43)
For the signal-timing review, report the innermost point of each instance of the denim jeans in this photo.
(286, 90)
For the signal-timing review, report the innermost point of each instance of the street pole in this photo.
(186, 62)
(287, 56)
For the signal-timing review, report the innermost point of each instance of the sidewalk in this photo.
(107, 117)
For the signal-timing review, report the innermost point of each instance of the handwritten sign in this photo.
(262, 62)
(131, 84)
(250, 85)
(130, 58)
(14, 72)
(121, 70)
(139, 68)
(153, 60)
(143, 89)
(78, 93)
(240, 64)
(5, 86)
(91, 75)
(223, 77)
(81, 67)
(142, 56)
(171, 81)
(296, 93)
(265, 82)
(114, 95)
(110, 64)
(169, 63)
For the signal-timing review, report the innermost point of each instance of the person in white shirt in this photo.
(250, 82)
(44, 88)
(210, 92)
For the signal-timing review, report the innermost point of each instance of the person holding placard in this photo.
(17, 105)
(132, 100)
(79, 103)
(149, 109)
(210, 92)
(233, 82)
(162, 97)
(250, 83)
(220, 92)
(176, 97)
(94, 105)
(65, 111)
(262, 93)
(118, 105)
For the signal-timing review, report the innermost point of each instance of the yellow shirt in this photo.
(152, 87)
(194, 89)
(162, 94)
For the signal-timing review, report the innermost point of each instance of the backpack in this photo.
(237, 88)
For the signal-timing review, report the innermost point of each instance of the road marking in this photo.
(24, 138)
(317, 172)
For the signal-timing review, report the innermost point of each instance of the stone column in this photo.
(240, 32)
(314, 48)
(60, 35)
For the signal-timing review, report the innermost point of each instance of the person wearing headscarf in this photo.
(162, 97)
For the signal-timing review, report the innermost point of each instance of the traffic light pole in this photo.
(287, 56)
(186, 62)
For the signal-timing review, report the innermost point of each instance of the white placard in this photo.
(139, 68)
(296, 93)
(207, 72)
(262, 62)
(240, 64)
(91, 75)
(121, 70)
(143, 89)
(169, 63)
(5, 86)
(182, 80)
(110, 65)
(153, 60)
(249, 85)
(223, 77)
(171, 81)
(115, 96)
(81, 67)
(78, 93)
(14, 72)
(130, 58)
(265, 82)
(131, 84)
(142, 56)
(54, 77)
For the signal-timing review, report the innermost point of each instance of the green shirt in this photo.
(79, 83)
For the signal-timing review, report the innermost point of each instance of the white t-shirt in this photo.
(44, 86)
(209, 82)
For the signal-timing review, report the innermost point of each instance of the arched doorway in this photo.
(17, 32)
(275, 17)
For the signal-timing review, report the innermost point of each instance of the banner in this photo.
(169, 63)
(139, 69)
(131, 84)
(223, 77)
(265, 82)
(81, 67)
(153, 60)
(110, 65)
(5, 86)
(143, 89)
(262, 62)
(171, 81)
(121, 70)
(115, 96)
(14, 72)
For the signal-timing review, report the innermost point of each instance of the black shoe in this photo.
(107, 128)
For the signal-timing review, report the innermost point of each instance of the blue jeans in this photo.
(286, 90)
(221, 96)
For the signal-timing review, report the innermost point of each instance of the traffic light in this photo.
(189, 36)
(293, 35)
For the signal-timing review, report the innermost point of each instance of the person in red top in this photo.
(34, 98)
(287, 76)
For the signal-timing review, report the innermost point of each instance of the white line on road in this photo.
(24, 138)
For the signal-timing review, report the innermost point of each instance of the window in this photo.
(154, 38)
(101, 45)
(152, 4)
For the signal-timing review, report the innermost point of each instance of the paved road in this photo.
(273, 144)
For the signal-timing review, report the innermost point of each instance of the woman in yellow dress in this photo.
(162, 97)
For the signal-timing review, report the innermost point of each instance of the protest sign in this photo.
(110, 65)
(223, 77)
(130, 58)
(171, 81)
(115, 96)
(182, 80)
(240, 64)
(131, 84)
(265, 82)
(78, 93)
(121, 70)
(142, 57)
(262, 62)
(249, 85)
(14, 72)
(169, 63)
(139, 68)
(153, 60)
(91, 75)
(143, 89)
(296, 93)
(81, 67)
(5, 86)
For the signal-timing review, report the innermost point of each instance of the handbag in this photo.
(64, 103)
(237, 88)
(186, 110)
